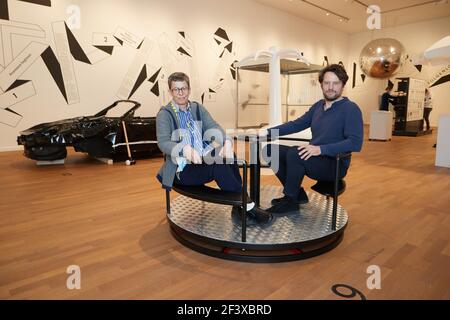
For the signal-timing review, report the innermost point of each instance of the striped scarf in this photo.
(187, 122)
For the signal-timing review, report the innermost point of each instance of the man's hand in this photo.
(308, 151)
(227, 150)
(191, 154)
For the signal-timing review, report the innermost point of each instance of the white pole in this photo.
(274, 88)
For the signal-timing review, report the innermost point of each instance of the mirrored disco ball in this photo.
(381, 58)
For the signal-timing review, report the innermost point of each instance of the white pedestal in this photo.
(380, 125)
(443, 142)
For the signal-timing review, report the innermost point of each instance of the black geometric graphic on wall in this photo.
(47, 3)
(16, 84)
(107, 49)
(155, 89)
(223, 41)
(325, 60)
(140, 44)
(229, 47)
(203, 98)
(211, 90)
(441, 80)
(12, 111)
(4, 13)
(354, 75)
(78, 52)
(54, 67)
(50, 58)
(363, 77)
(182, 51)
(418, 67)
(75, 48)
(140, 80)
(153, 78)
(8, 116)
(119, 40)
(182, 34)
(222, 34)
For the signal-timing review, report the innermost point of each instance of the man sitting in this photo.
(337, 126)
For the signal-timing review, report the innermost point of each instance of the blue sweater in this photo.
(337, 130)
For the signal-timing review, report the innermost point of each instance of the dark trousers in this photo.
(292, 169)
(227, 176)
(426, 116)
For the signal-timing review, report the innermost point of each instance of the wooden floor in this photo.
(110, 221)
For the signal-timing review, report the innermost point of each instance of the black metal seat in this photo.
(209, 194)
(327, 188)
(214, 195)
(333, 188)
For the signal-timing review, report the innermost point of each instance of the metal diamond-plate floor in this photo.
(214, 220)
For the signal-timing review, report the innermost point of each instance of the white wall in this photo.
(415, 38)
(249, 25)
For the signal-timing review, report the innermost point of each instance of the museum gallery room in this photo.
(225, 150)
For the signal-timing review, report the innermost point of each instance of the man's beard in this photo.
(335, 96)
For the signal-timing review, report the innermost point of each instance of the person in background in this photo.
(427, 105)
(387, 98)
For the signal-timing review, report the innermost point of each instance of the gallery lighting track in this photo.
(328, 12)
(435, 2)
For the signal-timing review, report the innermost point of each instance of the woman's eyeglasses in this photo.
(178, 90)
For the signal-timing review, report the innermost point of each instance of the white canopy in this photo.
(438, 53)
(271, 58)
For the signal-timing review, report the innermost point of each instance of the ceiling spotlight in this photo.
(327, 12)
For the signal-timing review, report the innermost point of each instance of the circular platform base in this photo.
(209, 228)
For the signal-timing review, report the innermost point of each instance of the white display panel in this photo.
(443, 142)
(416, 96)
